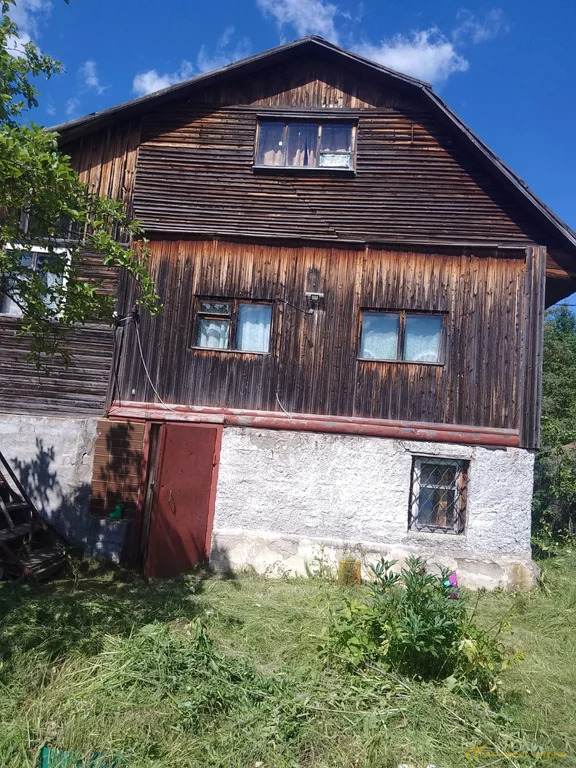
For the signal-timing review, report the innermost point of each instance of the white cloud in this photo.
(224, 52)
(72, 108)
(480, 30)
(26, 15)
(150, 81)
(307, 17)
(426, 54)
(89, 77)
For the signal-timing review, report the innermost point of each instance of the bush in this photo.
(418, 624)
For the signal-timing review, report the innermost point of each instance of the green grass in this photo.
(213, 672)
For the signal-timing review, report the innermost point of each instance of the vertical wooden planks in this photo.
(313, 365)
(530, 382)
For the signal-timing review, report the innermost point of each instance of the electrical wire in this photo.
(116, 364)
(146, 368)
(304, 311)
(282, 407)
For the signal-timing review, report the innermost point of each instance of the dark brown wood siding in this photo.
(313, 365)
(75, 390)
(414, 180)
(106, 160)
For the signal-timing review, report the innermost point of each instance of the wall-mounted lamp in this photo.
(314, 300)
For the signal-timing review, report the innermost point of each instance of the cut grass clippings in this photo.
(214, 672)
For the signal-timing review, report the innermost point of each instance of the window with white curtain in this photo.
(305, 144)
(414, 338)
(233, 324)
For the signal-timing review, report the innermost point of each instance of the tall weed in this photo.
(417, 624)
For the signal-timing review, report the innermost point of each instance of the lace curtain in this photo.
(253, 333)
(422, 338)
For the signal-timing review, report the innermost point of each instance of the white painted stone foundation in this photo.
(286, 498)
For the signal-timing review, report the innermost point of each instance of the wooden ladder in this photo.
(29, 546)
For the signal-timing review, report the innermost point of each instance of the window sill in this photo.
(418, 532)
(229, 351)
(399, 362)
(291, 170)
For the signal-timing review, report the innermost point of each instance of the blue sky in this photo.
(506, 68)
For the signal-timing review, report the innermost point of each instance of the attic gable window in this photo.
(305, 144)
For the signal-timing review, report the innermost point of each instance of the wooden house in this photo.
(349, 355)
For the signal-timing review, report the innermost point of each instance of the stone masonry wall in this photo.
(284, 496)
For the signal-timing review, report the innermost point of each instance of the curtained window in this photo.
(379, 336)
(305, 144)
(253, 334)
(414, 338)
(422, 338)
(232, 324)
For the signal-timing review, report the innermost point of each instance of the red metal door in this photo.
(183, 507)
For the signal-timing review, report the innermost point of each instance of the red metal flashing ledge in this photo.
(308, 422)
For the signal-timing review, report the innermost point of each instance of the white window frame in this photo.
(34, 249)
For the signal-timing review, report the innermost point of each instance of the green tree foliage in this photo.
(555, 477)
(38, 182)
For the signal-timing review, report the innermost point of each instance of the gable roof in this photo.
(77, 128)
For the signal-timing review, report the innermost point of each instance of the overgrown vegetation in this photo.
(204, 671)
(555, 471)
(417, 624)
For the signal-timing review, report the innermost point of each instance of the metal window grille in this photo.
(438, 495)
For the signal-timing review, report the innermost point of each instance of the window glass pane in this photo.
(438, 474)
(336, 146)
(42, 266)
(214, 307)
(436, 506)
(7, 305)
(253, 332)
(422, 339)
(379, 339)
(270, 144)
(213, 333)
(302, 144)
(336, 137)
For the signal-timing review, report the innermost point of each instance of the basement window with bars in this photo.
(305, 144)
(438, 495)
(233, 324)
(401, 336)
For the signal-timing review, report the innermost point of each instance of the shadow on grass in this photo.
(74, 614)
